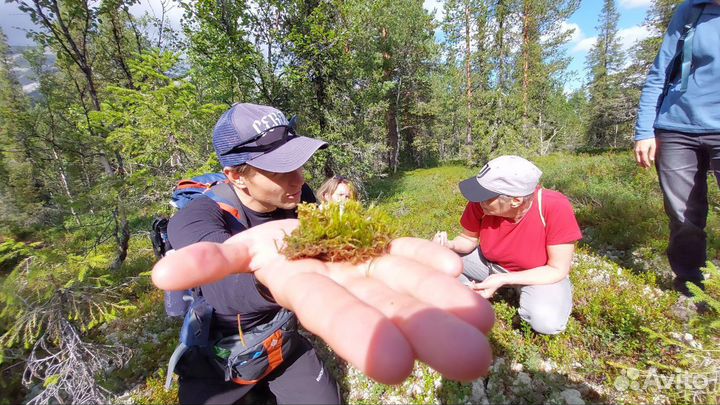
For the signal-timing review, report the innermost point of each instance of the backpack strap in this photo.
(539, 200)
(687, 51)
(227, 200)
(190, 183)
(195, 332)
(682, 60)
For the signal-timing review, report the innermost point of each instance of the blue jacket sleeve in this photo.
(652, 93)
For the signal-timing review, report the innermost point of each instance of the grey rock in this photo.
(523, 379)
(478, 393)
(572, 397)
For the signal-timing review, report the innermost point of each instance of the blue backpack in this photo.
(176, 302)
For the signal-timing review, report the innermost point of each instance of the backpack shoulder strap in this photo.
(687, 51)
(540, 210)
(225, 197)
(195, 332)
(682, 61)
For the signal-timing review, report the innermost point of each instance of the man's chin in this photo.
(289, 205)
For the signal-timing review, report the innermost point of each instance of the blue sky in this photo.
(632, 15)
(631, 30)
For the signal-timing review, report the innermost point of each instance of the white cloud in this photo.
(628, 38)
(29, 88)
(579, 42)
(584, 45)
(436, 7)
(635, 3)
(577, 34)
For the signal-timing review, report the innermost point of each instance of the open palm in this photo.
(379, 316)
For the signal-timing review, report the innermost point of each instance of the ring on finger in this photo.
(369, 267)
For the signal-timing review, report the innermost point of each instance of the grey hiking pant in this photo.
(545, 307)
(683, 162)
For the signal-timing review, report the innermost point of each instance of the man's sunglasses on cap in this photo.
(266, 140)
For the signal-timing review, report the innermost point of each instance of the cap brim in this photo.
(288, 157)
(474, 192)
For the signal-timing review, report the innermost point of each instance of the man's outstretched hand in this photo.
(380, 316)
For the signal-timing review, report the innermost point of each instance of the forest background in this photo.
(127, 105)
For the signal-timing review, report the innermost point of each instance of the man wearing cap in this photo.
(262, 158)
(375, 315)
(526, 236)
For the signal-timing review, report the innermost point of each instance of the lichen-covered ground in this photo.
(630, 339)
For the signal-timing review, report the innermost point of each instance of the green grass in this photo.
(621, 305)
(624, 323)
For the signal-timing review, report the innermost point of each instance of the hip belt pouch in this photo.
(249, 357)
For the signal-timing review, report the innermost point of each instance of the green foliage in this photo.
(708, 320)
(611, 108)
(35, 309)
(126, 111)
(337, 232)
(618, 317)
(502, 88)
(12, 252)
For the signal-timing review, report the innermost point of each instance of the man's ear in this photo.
(234, 176)
(516, 202)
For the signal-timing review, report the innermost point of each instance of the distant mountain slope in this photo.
(23, 72)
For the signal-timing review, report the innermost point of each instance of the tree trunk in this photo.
(320, 99)
(500, 41)
(468, 79)
(122, 236)
(396, 156)
(393, 138)
(117, 40)
(541, 134)
(65, 185)
(390, 115)
(526, 56)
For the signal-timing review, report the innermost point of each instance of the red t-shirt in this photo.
(523, 245)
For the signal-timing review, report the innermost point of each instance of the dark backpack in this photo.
(245, 357)
(176, 302)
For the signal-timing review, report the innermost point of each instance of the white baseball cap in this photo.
(506, 175)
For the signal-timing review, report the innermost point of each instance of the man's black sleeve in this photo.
(200, 221)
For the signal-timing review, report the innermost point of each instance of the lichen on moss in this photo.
(337, 232)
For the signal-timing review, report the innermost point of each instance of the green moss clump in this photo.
(339, 232)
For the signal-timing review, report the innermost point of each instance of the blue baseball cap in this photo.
(262, 137)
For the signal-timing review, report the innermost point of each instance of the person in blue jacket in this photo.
(678, 129)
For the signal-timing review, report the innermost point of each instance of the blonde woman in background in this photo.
(337, 189)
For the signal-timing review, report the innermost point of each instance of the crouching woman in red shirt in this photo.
(518, 234)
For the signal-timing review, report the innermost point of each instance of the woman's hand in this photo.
(380, 316)
(441, 238)
(487, 287)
